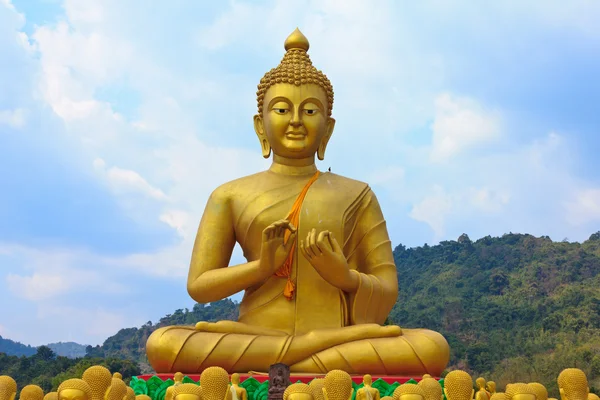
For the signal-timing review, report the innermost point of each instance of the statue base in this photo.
(304, 378)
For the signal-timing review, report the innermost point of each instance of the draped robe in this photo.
(350, 210)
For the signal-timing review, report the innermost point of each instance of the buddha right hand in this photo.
(274, 249)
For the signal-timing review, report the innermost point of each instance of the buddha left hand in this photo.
(327, 258)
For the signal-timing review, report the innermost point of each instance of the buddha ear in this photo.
(259, 128)
(325, 140)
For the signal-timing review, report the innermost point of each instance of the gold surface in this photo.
(573, 384)
(343, 267)
(368, 392)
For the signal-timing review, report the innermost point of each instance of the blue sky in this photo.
(117, 120)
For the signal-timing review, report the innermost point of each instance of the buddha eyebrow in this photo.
(278, 99)
(313, 100)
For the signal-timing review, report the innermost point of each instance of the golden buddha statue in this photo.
(593, 396)
(316, 385)
(74, 389)
(51, 396)
(99, 379)
(143, 397)
(367, 392)
(491, 388)
(237, 392)
(337, 385)
(519, 391)
(117, 390)
(387, 398)
(8, 388)
(130, 393)
(481, 394)
(541, 393)
(117, 375)
(409, 391)
(177, 380)
(343, 258)
(573, 384)
(215, 384)
(458, 385)
(188, 391)
(497, 396)
(31, 392)
(298, 391)
(431, 388)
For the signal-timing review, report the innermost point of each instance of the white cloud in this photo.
(584, 208)
(124, 181)
(14, 118)
(461, 123)
(433, 209)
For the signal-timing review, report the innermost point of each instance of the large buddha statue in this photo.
(320, 277)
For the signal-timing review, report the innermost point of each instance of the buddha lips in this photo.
(293, 217)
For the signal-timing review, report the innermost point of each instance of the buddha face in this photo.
(294, 122)
(72, 394)
(524, 396)
(187, 396)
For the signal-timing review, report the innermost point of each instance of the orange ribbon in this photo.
(285, 271)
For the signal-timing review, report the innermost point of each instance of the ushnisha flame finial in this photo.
(296, 40)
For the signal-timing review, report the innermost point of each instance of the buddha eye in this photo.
(310, 112)
(280, 111)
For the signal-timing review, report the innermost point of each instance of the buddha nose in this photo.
(296, 122)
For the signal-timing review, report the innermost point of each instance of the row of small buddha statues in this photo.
(97, 383)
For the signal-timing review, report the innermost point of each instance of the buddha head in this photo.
(458, 385)
(99, 379)
(31, 392)
(8, 388)
(541, 393)
(491, 387)
(117, 375)
(130, 393)
(480, 382)
(74, 389)
(188, 391)
(298, 391)
(573, 384)
(367, 380)
(316, 386)
(295, 101)
(143, 397)
(235, 379)
(593, 396)
(337, 385)
(431, 388)
(117, 390)
(51, 396)
(215, 383)
(409, 391)
(519, 391)
(178, 378)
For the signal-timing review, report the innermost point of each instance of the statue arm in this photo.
(210, 279)
(372, 259)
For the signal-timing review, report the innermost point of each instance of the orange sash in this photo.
(285, 271)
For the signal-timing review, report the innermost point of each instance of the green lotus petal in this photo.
(139, 386)
(160, 392)
(262, 391)
(411, 381)
(187, 379)
(153, 384)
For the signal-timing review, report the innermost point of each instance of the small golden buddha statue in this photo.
(338, 253)
(117, 390)
(143, 397)
(409, 391)
(593, 396)
(490, 387)
(8, 388)
(51, 396)
(237, 392)
(31, 392)
(519, 391)
(498, 396)
(337, 385)
(74, 389)
(458, 385)
(431, 388)
(367, 392)
(387, 398)
(215, 384)
(298, 391)
(481, 394)
(541, 393)
(573, 384)
(316, 385)
(177, 380)
(188, 391)
(99, 379)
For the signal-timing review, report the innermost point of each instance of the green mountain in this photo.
(67, 349)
